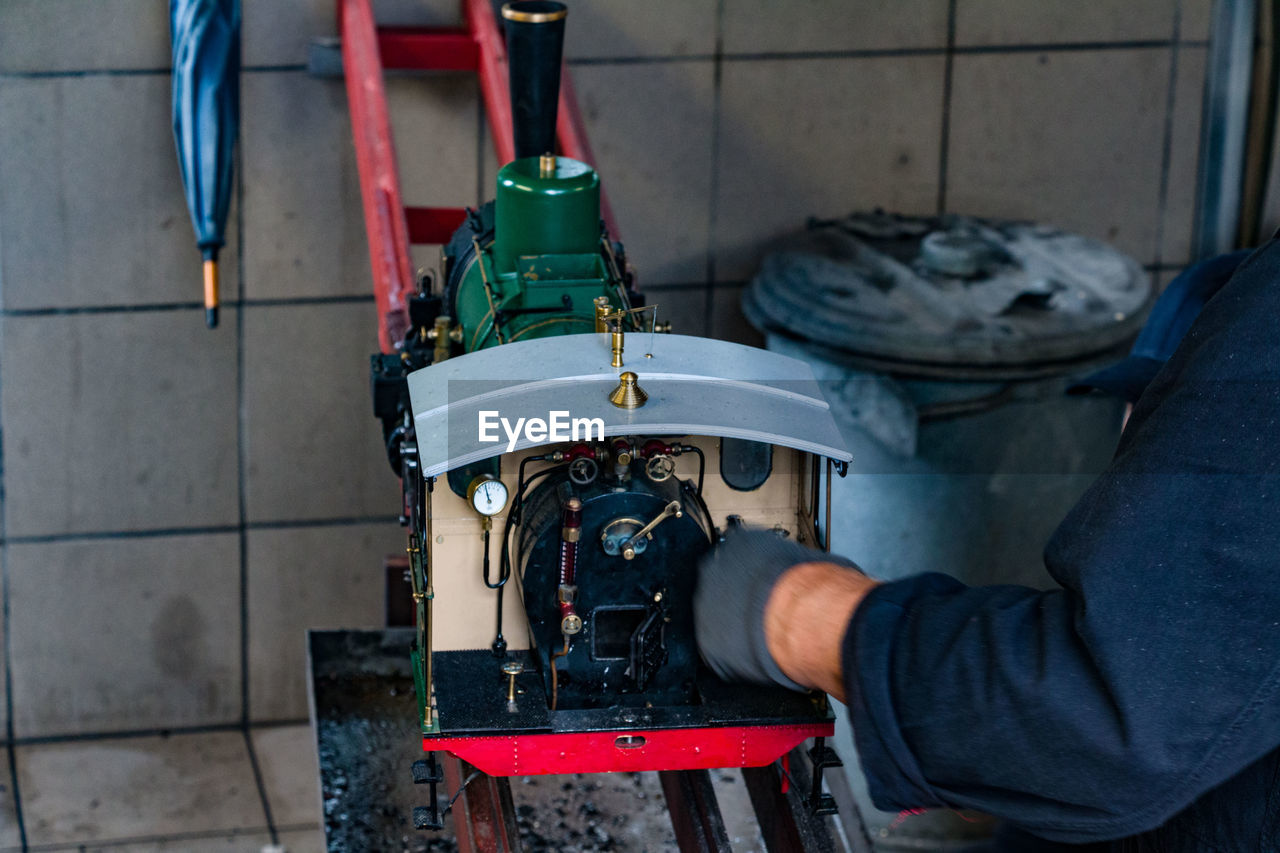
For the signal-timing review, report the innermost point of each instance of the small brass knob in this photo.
(628, 394)
(512, 669)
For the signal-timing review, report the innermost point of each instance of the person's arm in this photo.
(1101, 709)
(805, 620)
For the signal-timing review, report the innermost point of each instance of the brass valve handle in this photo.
(618, 316)
(671, 509)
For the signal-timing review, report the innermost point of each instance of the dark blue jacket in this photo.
(1142, 700)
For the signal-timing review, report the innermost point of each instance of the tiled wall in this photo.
(180, 504)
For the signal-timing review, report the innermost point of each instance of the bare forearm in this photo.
(806, 618)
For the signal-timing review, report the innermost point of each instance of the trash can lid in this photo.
(951, 296)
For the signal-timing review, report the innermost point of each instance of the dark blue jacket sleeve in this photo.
(1101, 709)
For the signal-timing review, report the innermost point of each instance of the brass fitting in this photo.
(617, 347)
(602, 308)
(628, 394)
(442, 335)
(512, 669)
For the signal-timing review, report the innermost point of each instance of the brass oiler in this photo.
(603, 308)
(615, 348)
(628, 394)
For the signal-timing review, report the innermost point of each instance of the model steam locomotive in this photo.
(565, 461)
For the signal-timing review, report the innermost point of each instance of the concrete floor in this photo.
(198, 793)
(190, 792)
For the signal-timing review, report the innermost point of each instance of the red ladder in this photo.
(391, 227)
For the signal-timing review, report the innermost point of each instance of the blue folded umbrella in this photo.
(206, 119)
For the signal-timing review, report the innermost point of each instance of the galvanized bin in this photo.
(945, 346)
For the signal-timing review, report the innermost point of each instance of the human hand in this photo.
(760, 610)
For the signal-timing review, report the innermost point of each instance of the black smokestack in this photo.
(535, 43)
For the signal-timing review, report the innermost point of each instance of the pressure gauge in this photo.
(487, 495)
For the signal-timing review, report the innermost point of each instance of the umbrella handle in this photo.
(211, 291)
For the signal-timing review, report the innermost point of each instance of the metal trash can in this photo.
(945, 346)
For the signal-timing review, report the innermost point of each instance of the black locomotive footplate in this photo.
(472, 692)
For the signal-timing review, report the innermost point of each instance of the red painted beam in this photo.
(492, 68)
(433, 225)
(389, 227)
(427, 49)
(385, 225)
(631, 751)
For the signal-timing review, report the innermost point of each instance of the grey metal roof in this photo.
(696, 386)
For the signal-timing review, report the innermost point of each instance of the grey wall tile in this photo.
(1073, 139)
(650, 128)
(290, 772)
(118, 422)
(125, 634)
(435, 122)
(302, 578)
(9, 836)
(315, 449)
(1197, 16)
(662, 28)
(102, 790)
(759, 26)
(304, 225)
(822, 137)
(277, 32)
(304, 229)
(727, 320)
(1184, 157)
(92, 211)
(72, 35)
(1056, 21)
(1163, 277)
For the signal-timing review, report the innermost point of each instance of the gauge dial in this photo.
(488, 495)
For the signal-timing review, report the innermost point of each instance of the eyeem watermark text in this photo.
(558, 426)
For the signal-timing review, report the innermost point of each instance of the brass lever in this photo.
(671, 509)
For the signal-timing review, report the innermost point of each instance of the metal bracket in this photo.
(426, 771)
(821, 757)
(787, 823)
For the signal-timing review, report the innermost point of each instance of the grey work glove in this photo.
(734, 583)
